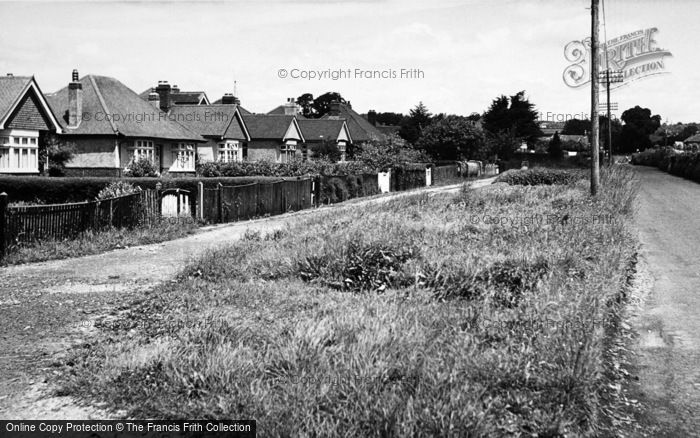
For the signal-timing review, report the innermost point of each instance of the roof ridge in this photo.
(102, 102)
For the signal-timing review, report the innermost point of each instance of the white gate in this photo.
(428, 176)
(384, 179)
(175, 203)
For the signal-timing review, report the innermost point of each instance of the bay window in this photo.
(19, 151)
(183, 157)
(143, 149)
(230, 152)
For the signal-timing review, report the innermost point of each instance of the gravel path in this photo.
(669, 320)
(45, 308)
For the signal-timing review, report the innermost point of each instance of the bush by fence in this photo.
(444, 173)
(403, 178)
(339, 188)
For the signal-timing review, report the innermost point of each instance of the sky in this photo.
(457, 55)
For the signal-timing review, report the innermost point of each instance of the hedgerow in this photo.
(539, 176)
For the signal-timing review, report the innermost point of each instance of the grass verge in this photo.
(491, 312)
(95, 242)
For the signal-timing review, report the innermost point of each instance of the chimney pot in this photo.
(75, 76)
(229, 99)
(10, 75)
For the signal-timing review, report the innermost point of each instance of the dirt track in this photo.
(47, 307)
(669, 320)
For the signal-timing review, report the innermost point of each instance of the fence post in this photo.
(219, 197)
(159, 210)
(200, 200)
(3, 221)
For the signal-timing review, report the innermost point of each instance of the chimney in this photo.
(154, 99)
(176, 89)
(334, 109)
(372, 117)
(75, 101)
(230, 99)
(9, 75)
(290, 108)
(163, 90)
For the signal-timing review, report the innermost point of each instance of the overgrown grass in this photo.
(539, 176)
(485, 313)
(96, 242)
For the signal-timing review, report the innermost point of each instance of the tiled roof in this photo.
(10, 89)
(210, 120)
(321, 129)
(110, 107)
(266, 127)
(280, 110)
(360, 129)
(693, 139)
(180, 97)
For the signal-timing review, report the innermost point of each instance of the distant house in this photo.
(273, 137)
(163, 92)
(290, 108)
(361, 130)
(691, 143)
(222, 127)
(25, 119)
(317, 131)
(110, 126)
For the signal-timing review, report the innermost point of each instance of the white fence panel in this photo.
(384, 179)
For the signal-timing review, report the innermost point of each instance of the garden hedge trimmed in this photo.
(51, 190)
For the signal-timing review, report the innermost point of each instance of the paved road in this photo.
(669, 323)
(47, 307)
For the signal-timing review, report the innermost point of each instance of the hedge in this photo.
(539, 176)
(339, 188)
(683, 164)
(48, 190)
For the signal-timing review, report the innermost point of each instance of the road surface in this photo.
(668, 324)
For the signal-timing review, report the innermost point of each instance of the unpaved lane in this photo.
(669, 322)
(47, 307)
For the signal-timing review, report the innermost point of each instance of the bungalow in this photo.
(273, 137)
(25, 119)
(222, 127)
(317, 131)
(168, 95)
(111, 126)
(360, 128)
(691, 143)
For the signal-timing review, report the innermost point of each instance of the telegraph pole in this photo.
(611, 77)
(595, 128)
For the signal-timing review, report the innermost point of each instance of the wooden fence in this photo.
(234, 203)
(32, 223)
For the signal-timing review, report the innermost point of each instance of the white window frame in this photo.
(183, 157)
(19, 151)
(342, 147)
(287, 151)
(230, 152)
(143, 148)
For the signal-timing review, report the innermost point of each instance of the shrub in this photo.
(539, 176)
(116, 189)
(652, 157)
(143, 167)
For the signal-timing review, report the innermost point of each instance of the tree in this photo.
(413, 125)
(306, 102)
(320, 106)
(554, 149)
(393, 151)
(389, 118)
(325, 150)
(514, 114)
(59, 153)
(452, 138)
(639, 125)
(576, 127)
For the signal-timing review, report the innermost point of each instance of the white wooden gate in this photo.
(428, 176)
(384, 179)
(175, 203)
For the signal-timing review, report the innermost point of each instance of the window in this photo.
(19, 152)
(287, 151)
(183, 157)
(341, 148)
(230, 152)
(143, 149)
